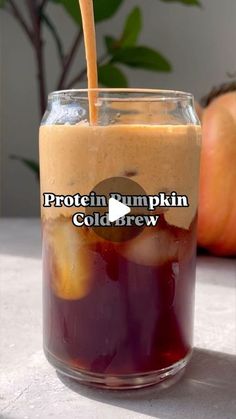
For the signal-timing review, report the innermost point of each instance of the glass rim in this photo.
(132, 93)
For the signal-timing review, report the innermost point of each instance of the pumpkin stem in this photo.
(218, 91)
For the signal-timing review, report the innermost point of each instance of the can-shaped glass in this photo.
(119, 313)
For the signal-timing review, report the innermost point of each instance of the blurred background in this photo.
(197, 42)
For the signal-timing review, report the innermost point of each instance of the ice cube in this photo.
(71, 271)
(152, 247)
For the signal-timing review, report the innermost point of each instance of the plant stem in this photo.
(38, 47)
(77, 79)
(16, 12)
(103, 58)
(81, 75)
(43, 4)
(69, 59)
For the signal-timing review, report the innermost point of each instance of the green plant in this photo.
(124, 51)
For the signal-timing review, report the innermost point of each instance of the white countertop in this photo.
(31, 389)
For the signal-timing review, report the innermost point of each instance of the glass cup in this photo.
(119, 314)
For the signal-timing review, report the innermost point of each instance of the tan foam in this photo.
(73, 159)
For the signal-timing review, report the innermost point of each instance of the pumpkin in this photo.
(217, 198)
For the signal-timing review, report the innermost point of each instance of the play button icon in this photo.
(117, 210)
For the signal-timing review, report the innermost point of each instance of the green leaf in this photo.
(142, 57)
(103, 9)
(132, 29)
(2, 3)
(111, 76)
(129, 37)
(55, 35)
(111, 44)
(186, 2)
(31, 164)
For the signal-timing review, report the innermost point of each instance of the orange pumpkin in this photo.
(217, 205)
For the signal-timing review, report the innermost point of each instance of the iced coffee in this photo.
(119, 314)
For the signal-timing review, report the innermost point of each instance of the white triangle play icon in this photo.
(116, 210)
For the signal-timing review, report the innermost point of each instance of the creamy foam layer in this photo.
(73, 159)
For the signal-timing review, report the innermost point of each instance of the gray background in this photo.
(200, 43)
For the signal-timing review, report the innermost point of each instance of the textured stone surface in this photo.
(30, 388)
